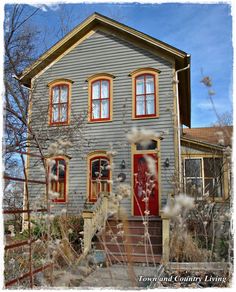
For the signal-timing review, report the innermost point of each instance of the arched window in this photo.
(99, 175)
(58, 176)
(60, 92)
(100, 98)
(145, 93)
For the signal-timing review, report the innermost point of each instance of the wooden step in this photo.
(136, 223)
(135, 258)
(134, 248)
(132, 238)
(140, 230)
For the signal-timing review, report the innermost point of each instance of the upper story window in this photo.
(100, 97)
(145, 93)
(59, 110)
(58, 176)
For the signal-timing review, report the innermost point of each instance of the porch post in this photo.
(165, 238)
(87, 216)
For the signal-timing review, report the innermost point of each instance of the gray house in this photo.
(92, 88)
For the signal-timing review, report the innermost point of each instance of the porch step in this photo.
(134, 258)
(117, 244)
(134, 248)
(132, 238)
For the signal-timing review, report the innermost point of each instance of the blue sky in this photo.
(202, 30)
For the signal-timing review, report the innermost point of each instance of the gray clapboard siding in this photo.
(103, 53)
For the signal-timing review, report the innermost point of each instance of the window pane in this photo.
(53, 186)
(63, 112)
(213, 187)
(194, 187)
(96, 109)
(104, 170)
(105, 89)
(151, 146)
(149, 84)
(64, 92)
(105, 109)
(95, 168)
(140, 107)
(104, 186)
(150, 107)
(94, 190)
(55, 94)
(62, 168)
(61, 189)
(96, 90)
(55, 115)
(212, 167)
(193, 168)
(140, 85)
(54, 169)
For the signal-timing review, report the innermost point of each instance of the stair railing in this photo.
(94, 220)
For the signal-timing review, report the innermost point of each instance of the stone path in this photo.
(118, 276)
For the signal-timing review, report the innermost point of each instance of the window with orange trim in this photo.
(145, 95)
(99, 177)
(59, 104)
(100, 100)
(58, 179)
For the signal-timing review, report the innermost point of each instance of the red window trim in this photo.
(66, 122)
(145, 96)
(90, 174)
(100, 99)
(60, 200)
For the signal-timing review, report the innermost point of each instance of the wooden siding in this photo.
(103, 53)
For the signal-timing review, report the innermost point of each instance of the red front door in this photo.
(145, 186)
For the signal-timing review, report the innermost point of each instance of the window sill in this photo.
(145, 117)
(59, 124)
(99, 121)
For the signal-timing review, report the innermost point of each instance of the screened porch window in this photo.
(204, 176)
(99, 176)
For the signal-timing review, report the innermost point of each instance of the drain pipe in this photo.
(178, 122)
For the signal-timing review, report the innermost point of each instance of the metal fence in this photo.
(26, 255)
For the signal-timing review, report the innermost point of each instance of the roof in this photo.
(96, 21)
(220, 136)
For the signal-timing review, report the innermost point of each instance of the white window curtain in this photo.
(96, 90)
(149, 84)
(96, 109)
(63, 112)
(64, 93)
(140, 85)
(140, 107)
(105, 89)
(105, 109)
(150, 104)
(55, 113)
(55, 94)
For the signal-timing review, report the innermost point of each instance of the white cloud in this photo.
(45, 8)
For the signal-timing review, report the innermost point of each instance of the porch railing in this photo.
(94, 220)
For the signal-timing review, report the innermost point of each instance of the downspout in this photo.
(178, 123)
